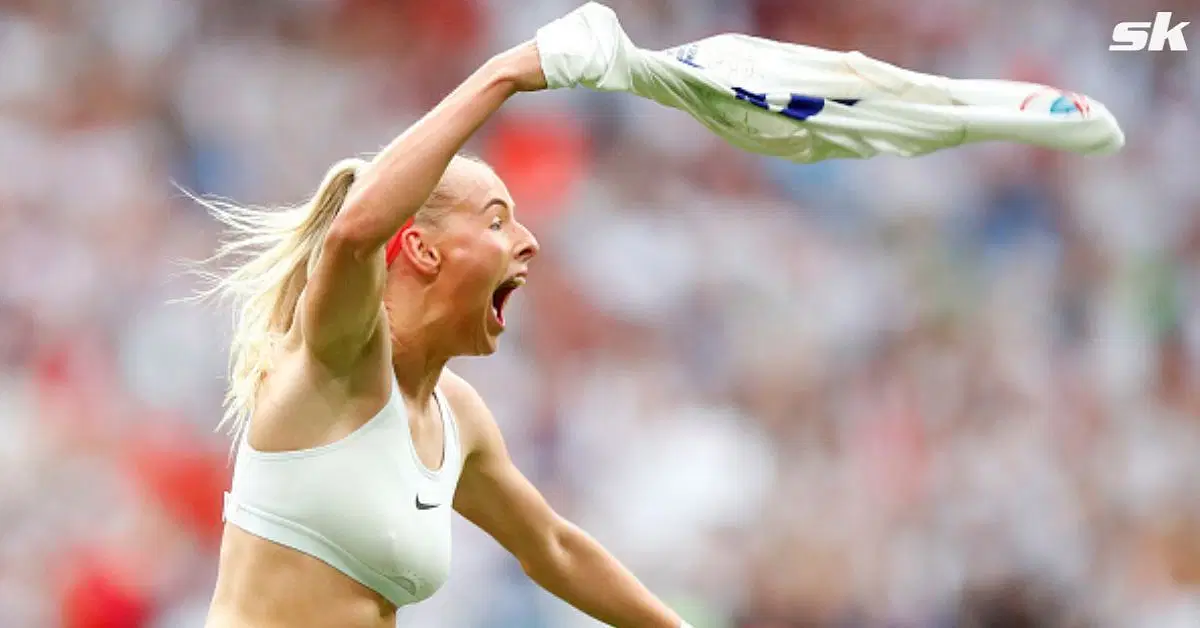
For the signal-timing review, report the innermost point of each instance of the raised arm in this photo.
(341, 303)
(494, 495)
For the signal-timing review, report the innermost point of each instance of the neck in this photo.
(415, 323)
(417, 374)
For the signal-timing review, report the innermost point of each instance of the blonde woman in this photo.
(355, 442)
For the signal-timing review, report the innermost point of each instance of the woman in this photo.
(361, 441)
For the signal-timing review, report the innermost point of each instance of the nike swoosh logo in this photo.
(423, 506)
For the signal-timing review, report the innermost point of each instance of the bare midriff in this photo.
(265, 585)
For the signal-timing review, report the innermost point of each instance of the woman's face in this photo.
(482, 254)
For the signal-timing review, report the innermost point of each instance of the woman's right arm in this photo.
(341, 305)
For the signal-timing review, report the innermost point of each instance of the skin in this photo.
(360, 323)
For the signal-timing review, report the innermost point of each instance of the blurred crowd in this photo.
(955, 391)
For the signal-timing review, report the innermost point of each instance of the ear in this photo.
(417, 248)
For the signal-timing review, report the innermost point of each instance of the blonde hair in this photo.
(274, 251)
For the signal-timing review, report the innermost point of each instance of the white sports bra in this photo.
(366, 504)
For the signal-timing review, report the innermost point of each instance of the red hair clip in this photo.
(394, 245)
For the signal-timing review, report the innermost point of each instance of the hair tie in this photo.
(394, 244)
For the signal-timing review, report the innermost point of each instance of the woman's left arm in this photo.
(494, 495)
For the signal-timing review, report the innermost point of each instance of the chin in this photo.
(484, 343)
(482, 349)
(490, 343)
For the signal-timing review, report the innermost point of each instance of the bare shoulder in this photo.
(305, 404)
(476, 422)
(458, 391)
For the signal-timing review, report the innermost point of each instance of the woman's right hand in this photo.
(523, 66)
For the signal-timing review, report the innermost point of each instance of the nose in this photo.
(527, 246)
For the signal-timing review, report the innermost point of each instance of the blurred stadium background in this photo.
(961, 390)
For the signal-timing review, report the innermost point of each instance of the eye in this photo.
(497, 224)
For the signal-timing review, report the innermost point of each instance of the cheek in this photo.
(476, 262)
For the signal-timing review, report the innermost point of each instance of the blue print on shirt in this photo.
(799, 107)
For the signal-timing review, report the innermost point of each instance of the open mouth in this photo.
(502, 293)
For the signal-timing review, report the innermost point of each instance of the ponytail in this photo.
(273, 252)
